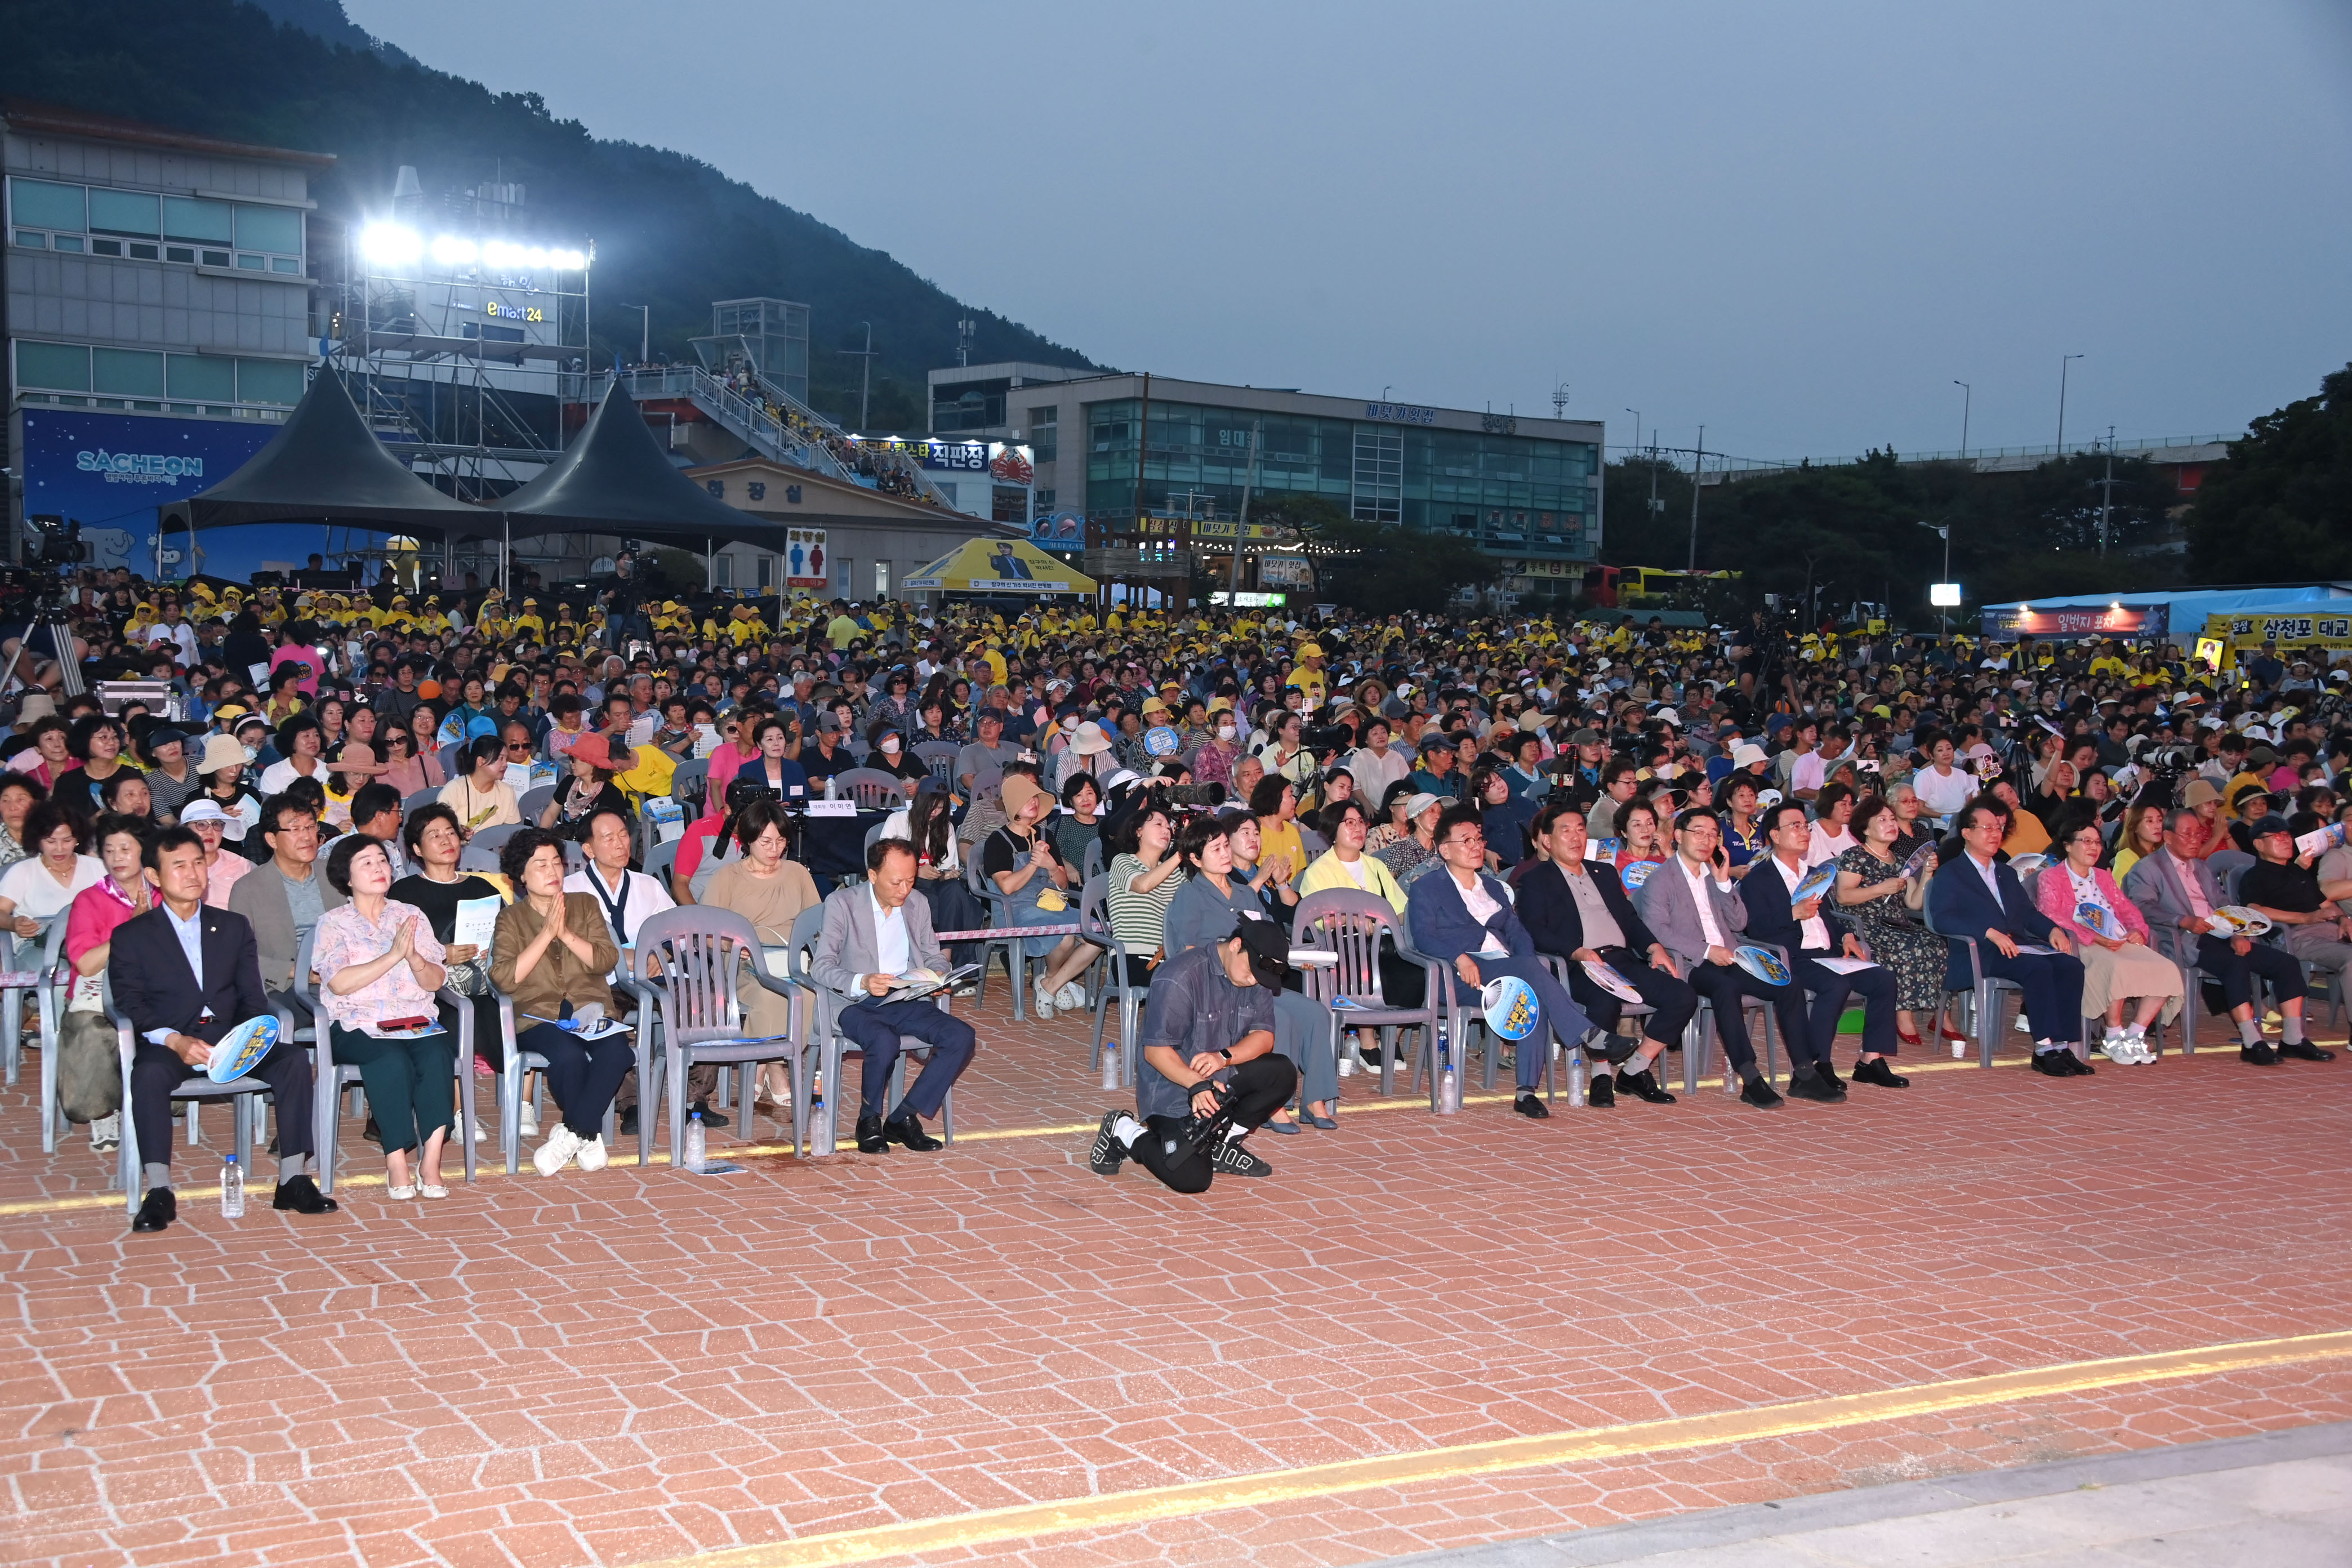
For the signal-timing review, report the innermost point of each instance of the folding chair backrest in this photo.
(306, 984)
(800, 946)
(700, 950)
(531, 801)
(1349, 923)
(939, 756)
(1094, 910)
(419, 801)
(490, 838)
(691, 782)
(475, 858)
(1092, 865)
(871, 788)
(661, 862)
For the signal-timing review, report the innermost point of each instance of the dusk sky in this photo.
(1797, 225)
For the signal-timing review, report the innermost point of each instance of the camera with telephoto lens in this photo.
(1197, 795)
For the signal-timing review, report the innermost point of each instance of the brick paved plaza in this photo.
(1419, 1334)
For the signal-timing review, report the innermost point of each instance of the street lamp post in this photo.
(645, 332)
(2063, 361)
(1944, 530)
(1968, 397)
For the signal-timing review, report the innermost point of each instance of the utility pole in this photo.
(2063, 361)
(865, 357)
(2107, 493)
(1637, 427)
(1241, 526)
(1945, 531)
(1698, 466)
(1968, 395)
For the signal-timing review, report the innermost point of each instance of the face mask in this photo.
(889, 742)
(1224, 731)
(251, 753)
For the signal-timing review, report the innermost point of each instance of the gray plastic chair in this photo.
(1558, 966)
(1351, 924)
(690, 783)
(241, 1092)
(15, 954)
(661, 865)
(531, 801)
(822, 1035)
(1985, 992)
(418, 800)
(938, 757)
(332, 1083)
(1000, 916)
(872, 789)
(474, 858)
(691, 1011)
(1093, 926)
(54, 990)
(521, 1064)
(490, 838)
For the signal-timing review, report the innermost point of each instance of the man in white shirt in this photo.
(629, 899)
(1697, 914)
(1776, 915)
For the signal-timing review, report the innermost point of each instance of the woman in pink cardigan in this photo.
(2114, 966)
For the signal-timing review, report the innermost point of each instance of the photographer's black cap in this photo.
(1268, 946)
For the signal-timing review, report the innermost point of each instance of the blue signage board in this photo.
(111, 472)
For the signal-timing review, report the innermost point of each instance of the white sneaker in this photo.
(556, 1151)
(478, 1134)
(1045, 1002)
(106, 1134)
(592, 1154)
(2023, 1025)
(2116, 1047)
(1071, 998)
(527, 1121)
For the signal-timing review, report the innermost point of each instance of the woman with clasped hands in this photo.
(551, 953)
(379, 968)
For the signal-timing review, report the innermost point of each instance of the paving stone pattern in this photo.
(640, 1365)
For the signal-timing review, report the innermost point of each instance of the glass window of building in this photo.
(127, 372)
(269, 381)
(59, 367)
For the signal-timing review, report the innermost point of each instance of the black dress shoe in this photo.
(870, 1137)
(2259, 1055)
(908, 1131)
(2054, 1064)
(301, 1195)
(2304, 1051)
(372, 1132)
(1532, 1106)
(709, 1118)
(629, 1123)
(1876, 1071)
(1828, 1072)
(1614, 1048)
(1601, 1093)
(156, 1210)
(1806, 1083)
(1760, 1094)
(1643, 1086)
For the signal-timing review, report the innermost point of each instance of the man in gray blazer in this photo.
(1702, 934)
(873, 934)
(2176, 891)
(285, 895)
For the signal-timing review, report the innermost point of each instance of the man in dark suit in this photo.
(1976, 895)
(1462, 916)
(185, 975)
(1800, 929)
(1578, 909)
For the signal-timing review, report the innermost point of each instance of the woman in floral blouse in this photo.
(378, 964)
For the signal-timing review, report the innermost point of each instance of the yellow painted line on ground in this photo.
(1111, 1511)
(496, 1167)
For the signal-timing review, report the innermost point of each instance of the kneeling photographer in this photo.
(1210, 1077)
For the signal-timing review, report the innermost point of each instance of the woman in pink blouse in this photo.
(2116, 968)
(97, 910)
(378, 966)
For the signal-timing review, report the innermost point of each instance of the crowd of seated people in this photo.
(1556, 802)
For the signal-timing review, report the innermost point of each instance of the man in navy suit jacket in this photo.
(186, 974)
(1976, 895)
(1463, 917)
(1800, 928)
(1568, 907)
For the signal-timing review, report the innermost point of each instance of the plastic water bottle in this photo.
(1575, 1080)
(232, 1190)
(1731, 1084)
(695, 1158)
(1111, 1065)
(1449, 1089)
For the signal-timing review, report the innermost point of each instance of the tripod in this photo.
(61, 639)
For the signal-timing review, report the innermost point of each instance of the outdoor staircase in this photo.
(776, 425)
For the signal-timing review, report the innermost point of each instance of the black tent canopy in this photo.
(615, 479)
(325, 464)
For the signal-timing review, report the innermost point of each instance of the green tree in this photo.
(2279, 508)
